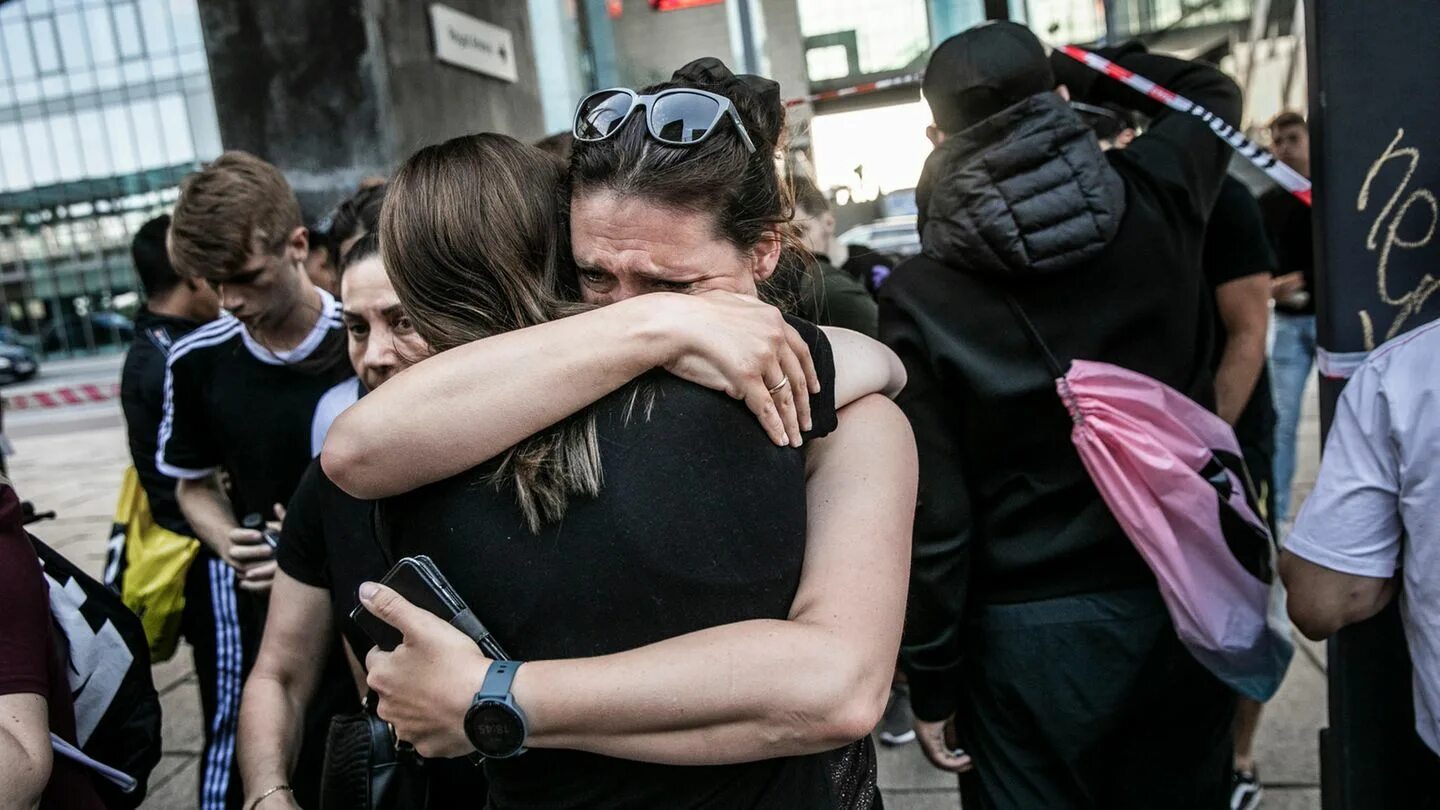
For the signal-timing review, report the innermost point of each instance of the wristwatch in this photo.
(494, 723)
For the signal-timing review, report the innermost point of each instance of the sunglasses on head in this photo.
(678, 116)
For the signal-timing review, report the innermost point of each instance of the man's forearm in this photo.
(269, 735)
(1235, 379)
(208, 511)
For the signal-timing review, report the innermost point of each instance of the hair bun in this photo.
(756, 97)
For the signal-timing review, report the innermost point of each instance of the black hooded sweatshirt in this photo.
(1102, 251)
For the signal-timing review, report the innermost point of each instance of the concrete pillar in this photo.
(332, 91)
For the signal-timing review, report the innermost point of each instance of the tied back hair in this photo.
(471, 237)
(744, 191)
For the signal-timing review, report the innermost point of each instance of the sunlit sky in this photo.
(889, 142)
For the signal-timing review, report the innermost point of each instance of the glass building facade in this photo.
(104, 106)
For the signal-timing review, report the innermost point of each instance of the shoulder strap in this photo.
(1056, 371)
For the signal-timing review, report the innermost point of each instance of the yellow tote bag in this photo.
(148, 563)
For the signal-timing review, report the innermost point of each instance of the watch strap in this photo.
(498, 679)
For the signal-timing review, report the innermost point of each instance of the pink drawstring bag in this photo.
(1173, 476)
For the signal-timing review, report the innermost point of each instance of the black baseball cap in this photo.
(982, 70)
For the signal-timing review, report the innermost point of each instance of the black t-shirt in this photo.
(1236, 247)
(1287, 221)
(142, 395)
(328, 541)
(231, 403)
(700, 522)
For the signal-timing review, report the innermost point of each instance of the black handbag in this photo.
(365, 770)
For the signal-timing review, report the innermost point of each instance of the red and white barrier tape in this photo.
(1284, 176)
(859, 89)
(57, 397)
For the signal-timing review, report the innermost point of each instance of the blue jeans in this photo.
(1292, 356)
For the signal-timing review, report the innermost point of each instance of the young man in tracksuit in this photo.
(239, 397)
(1034, 625)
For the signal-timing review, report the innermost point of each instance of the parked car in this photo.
(17, 363)
(105, 328)
(894, 235)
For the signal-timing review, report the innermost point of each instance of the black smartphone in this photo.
(419, 580)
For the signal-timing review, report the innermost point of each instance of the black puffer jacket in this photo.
(1103, 252)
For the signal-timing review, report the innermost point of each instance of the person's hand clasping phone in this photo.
(938, 741)
(744, 347)
(252, 555)
(425, 684)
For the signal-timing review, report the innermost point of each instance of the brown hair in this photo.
(234, 203)
(742, 189)
(1289, 118)
(471, 236)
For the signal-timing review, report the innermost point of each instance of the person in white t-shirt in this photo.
(1371, 528)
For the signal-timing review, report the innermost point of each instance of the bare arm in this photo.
(208, 511)
(1244, 306)
(738, 692)
(1322, 600)
(387, 442)
(863, 365)
(286, 673)
(25, 753)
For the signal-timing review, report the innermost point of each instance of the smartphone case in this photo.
(419, 580)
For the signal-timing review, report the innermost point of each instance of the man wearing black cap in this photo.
(1033, 621)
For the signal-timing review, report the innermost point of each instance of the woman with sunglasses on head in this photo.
(700, 613)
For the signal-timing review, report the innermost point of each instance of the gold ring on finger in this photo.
(784, 381)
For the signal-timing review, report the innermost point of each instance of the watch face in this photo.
(494, 729)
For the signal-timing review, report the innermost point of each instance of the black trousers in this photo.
(1092, 703)
(223, 625)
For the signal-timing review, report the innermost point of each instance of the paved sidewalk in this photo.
(76, 473)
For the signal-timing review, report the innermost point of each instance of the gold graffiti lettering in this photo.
(1385, 236)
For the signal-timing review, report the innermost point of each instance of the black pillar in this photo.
(332, 91)
(1375, 162)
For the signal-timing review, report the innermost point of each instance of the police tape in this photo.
(859, 89)
(65, 395)
(1283, 176)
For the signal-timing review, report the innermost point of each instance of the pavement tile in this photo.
(1287, 743)
(905, 768)
(922, 800)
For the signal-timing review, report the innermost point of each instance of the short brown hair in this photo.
(1289, 118)
(225, 209)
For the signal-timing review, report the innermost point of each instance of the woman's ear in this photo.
(766, 255)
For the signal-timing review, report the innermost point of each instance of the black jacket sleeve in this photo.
(930, 653)
(1178, 149)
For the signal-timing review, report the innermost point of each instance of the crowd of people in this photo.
(726, 507)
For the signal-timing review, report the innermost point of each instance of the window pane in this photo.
(94, 143)
(187, 25)
(127, 30)
(67, 147)
(17, 46)
(155, 21)
(193, 62)
(178, 146)
(136, 71)
(27, 91)
(47, 56)
(122, 142)
(149, 135)
(888, 36)
(73, 47)
(102, 36)
(164, 67)
(42, 159)
(15, 166)
(53, 87)
(107, 78)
